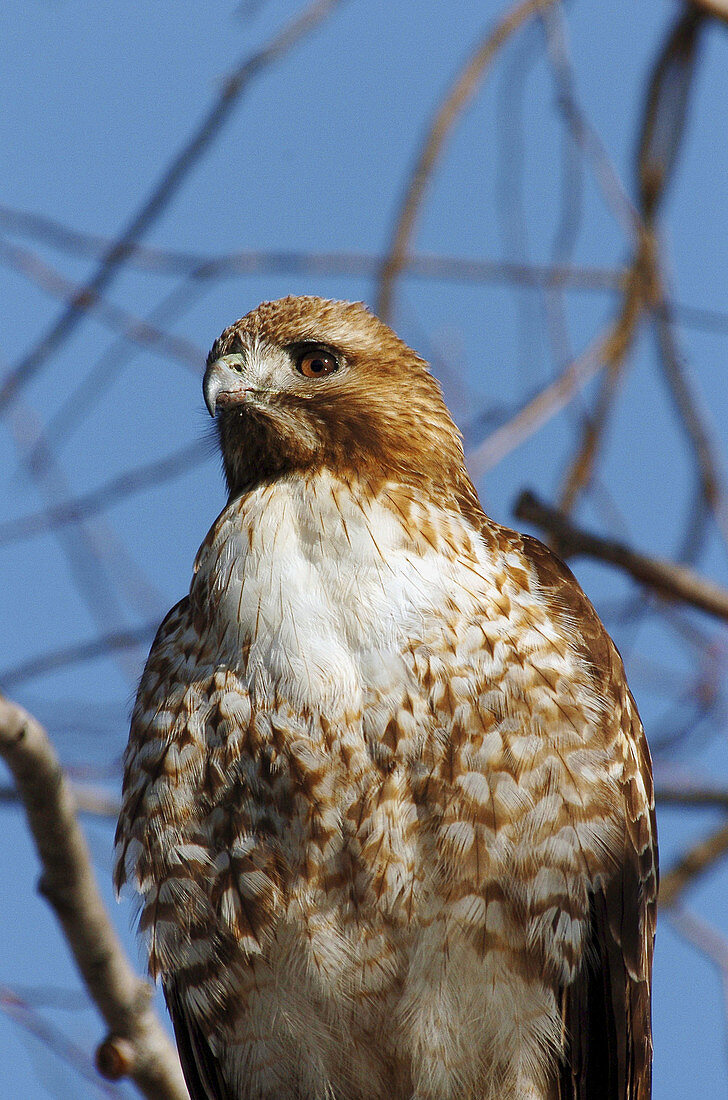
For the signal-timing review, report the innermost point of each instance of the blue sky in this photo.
(96, 100)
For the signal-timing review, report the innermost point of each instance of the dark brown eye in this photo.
(315, 363)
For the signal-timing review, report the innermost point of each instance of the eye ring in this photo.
(316, 363)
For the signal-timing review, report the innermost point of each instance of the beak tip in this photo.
(223, 383)
(211, 386)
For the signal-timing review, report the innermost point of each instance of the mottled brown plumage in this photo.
(387, 796)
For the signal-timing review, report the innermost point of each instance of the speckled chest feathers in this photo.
(387, 804)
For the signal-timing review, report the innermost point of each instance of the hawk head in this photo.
(306, 383)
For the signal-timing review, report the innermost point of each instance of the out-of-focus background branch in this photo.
(533, 195)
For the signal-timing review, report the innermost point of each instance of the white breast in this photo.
(325, 587)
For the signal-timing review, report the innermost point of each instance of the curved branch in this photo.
(452, 106)
(137, 1046)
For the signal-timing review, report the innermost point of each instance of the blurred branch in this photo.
(707, 940)
(26, 1015)
(161, 196)
(585, 136)
(420, 266)
(674, 582)
(98, 647)
(87, 800)
(716, 8)
(454, 103)
(549, 401)
(663, 129)
(87, 547)
(198, 267)
(107, 369)
(68, 884)
(614, 354)
(133, 481)
(698, 797)
(115, 317)
(695, 862)
(712, 480)
(663, 121)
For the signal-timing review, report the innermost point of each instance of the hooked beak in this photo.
(223, 383)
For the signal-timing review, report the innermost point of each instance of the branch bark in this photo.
(137, 1046)
(674, 582)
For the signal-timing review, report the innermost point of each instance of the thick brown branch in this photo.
(674, 582)
(68, 884)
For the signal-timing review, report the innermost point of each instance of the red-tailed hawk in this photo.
(387, 796)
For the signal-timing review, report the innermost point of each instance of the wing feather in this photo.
(606, 1009)
(201, 1068)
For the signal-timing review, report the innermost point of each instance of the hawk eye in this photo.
(315, 363)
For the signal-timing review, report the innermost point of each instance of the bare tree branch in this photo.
(674, 582)
(455, 102)
(25, 1015)
(149, 475)
(162, 194)
(68, 884)
(227, 265)
(663, 121)
(614, 354)
(700, 858)
(87, 800)
(55, 659)
(86, 547)
(716, 8)
(546, 404)
(694, 795)
(584, 134)
(120, 320)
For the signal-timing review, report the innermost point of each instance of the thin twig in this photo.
(290, 261)
(585, 136)
(109, 367)
(134, 329)
(25, 1015)
(81, 508)
(98, 647)
(157, 202)
(454, 103)
(698, 797)
(87, 800)
(663, 120)
(85, 546)
(549, 401)
(712, 478)
(68, 884)
(615, 354)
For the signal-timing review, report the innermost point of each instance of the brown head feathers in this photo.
(304, 384)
